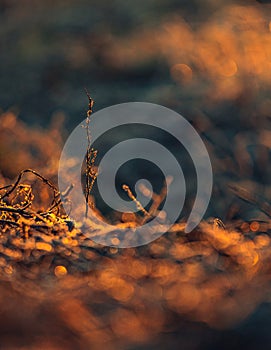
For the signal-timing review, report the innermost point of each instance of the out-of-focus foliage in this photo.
(25, 147)
(210, 61)
(207, 55)
(73, 294)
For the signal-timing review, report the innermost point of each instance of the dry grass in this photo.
(60, 290)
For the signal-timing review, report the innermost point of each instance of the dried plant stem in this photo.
(17, 212)
(139, 206)
(13, 187)
(91, 154)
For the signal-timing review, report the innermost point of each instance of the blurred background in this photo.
(209, 60)
(212, 56)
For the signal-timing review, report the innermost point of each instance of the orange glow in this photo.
(262, 241)
(215, 276)
(115, 241)
(113, 250)
(181, 73)
(128, 217)
(126, 324)
(138, 269)
(121, 290)
(67, 240)
(60, 271)
(254, 226)
(183, 297)
(8, 270)
(158, 248)
(43, 246)
(228, 68)
(235, 43)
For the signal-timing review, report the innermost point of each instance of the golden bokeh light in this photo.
(60, 271)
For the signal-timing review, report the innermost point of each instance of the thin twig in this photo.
(22, 212)
(139, 206)
(34, 173)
